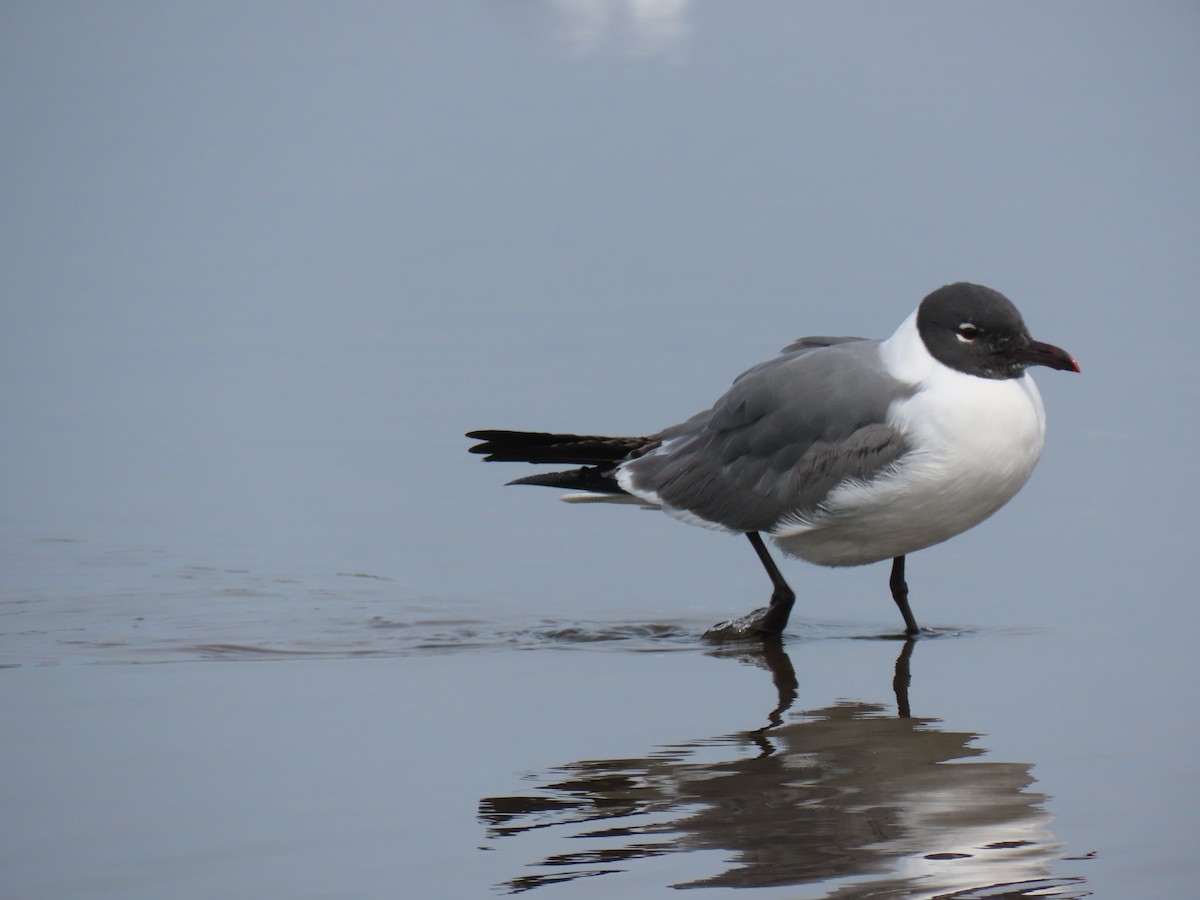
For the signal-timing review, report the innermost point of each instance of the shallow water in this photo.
(608, 757)
(326, 738)
(266, 629)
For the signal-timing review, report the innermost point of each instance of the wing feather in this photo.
(785, 434)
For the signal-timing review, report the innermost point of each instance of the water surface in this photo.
(267, 629)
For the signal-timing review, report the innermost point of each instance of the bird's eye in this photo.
(967, 333)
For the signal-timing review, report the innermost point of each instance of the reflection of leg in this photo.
(783, 675)
(900, 594)
(782, 598)
(903, 678)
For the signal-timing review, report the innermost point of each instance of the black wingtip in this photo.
(591, 479)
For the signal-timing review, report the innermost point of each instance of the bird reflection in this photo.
(848, 794)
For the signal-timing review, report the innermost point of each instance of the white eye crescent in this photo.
(966, 333)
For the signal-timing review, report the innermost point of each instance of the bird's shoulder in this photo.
(814, 342)
(818, 387)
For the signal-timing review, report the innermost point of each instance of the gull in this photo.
(842, 450)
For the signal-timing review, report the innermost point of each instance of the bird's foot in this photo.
(752, 626)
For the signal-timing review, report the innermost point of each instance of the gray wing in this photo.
(787, 432)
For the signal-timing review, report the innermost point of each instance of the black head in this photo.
(978, 331)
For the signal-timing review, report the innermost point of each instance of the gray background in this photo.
(264, 264)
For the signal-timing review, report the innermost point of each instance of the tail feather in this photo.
(541, 447)
(600, 456)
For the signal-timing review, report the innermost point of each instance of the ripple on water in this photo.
(451, 636)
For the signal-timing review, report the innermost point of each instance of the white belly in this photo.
(977, 442)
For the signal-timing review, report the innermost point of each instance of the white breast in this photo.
(975, 443)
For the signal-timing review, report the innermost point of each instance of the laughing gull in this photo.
(843, 450)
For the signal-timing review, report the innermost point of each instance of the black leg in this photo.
(900, 594)
(775, 619)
